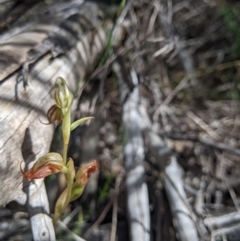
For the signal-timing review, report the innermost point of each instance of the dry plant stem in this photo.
(137, 193)
(185, 57)
(124, 12)
(73, 235)
(229, 219)
(224, 231)
(183, 215)
(152, 21)
(101, 217)
(232, 193)
(199, 201)
(69, 218)
(207, 142)
(203, 125)
(115, 207)
(169, 98)
(179, 87)
(159, 218)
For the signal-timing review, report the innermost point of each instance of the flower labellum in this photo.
(49, 164)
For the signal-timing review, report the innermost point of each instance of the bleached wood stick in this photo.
(224, 231)
(184, 219)
(221, 221)
(173, 184)
(137, 192)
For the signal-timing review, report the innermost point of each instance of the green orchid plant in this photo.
(53, 162)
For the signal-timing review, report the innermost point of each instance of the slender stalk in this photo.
(65, 148)
(66, 130)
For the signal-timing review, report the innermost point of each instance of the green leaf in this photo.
(75, 124)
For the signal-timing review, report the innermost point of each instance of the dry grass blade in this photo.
(115, 207)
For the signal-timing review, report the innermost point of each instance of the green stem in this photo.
(66, 130)
(65, 148)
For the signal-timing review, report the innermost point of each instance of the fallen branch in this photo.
(137, 192)
(206, 142)
(184, 218)
(224, 231)
(222, 221)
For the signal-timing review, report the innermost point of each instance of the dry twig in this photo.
(66, 229)
(115, 207)
(207, 142)
(203, 125)
(100, 218)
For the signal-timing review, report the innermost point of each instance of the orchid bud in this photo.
(62, 95)
(54, 114)
(49, 164)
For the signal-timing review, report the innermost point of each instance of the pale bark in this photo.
(137, 191)
(66, 44)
